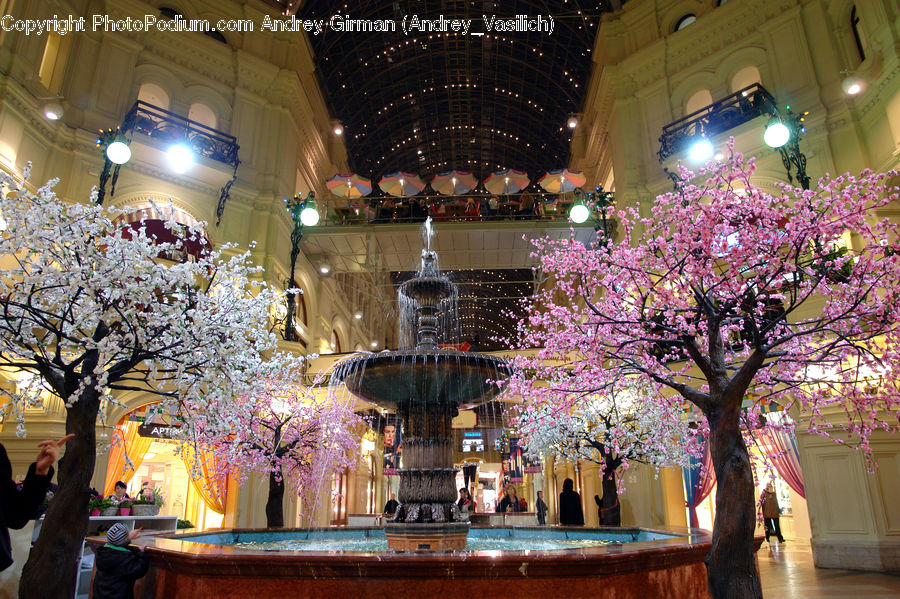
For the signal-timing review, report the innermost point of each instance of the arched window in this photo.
(858, 35)
(53, 63)
(685, 21)
(744, 77)
(335, 341)
(893, 115)
(699, 99)
(170, 13)
(203, 114)
(216, 36)
(301, 309)
(154, 95)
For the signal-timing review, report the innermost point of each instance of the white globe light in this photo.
(572, 122)
(777, 134)
(701, 150)
(53, 111)
(338, 130)
(309, 216)
(180, 158)
(358, 315)
(118, 152)
(579, 213)
(853, 85)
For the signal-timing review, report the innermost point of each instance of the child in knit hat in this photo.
(118, 565)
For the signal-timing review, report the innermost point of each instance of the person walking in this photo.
(18, 506)
(570, 512)
(540, 508)
(771, 513)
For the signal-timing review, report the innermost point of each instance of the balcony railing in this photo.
(732, 111)
(442, 208)
(168, 128)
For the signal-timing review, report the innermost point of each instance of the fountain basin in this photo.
(432, 378)
(659, 563)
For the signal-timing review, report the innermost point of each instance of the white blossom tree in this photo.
(91, 305)
(611, 428)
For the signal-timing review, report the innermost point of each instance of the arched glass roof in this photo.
(429, 101)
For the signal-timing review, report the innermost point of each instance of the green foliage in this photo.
(181, 524)
(100, 503)
(145, 498)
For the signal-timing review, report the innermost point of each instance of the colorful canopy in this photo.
(561, 180)
(349, 185)
(401, 184)
(453, 183)
(506, 181)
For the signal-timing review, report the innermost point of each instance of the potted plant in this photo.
(125, 507)
(109, 507)
(95, 505)
(147, 503)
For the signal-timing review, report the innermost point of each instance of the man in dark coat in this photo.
(570, 512)
(391, 506)
(118, 564)
(541, 508)
(18, 506)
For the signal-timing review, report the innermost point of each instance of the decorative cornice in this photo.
(873, 96)
(14, 96)
(218, 66)
(684, 52)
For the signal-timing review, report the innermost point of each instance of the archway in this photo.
(146, 434)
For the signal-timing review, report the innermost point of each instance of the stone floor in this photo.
(787, 572)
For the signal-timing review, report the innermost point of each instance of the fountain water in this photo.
(426, 386)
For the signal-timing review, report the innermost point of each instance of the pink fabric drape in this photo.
(781, 448)
(699, 482)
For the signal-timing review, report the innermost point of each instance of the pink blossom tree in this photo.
(295, 434)
(89, 305)
(722, 289)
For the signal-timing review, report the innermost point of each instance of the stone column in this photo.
(854, 516)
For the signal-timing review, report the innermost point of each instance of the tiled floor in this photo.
(787, 572)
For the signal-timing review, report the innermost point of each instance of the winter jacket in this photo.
(18, 506)
(507, 503)
(116, 570)
(770, 508)
(570, 512)
(541, 509)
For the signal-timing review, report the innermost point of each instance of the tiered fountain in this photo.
(425, 385)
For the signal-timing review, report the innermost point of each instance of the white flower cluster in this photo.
(92, 304)
(611, 428)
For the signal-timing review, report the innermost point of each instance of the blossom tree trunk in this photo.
(611, 511)
(275, 502)
(731, 563)
(66, 521)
